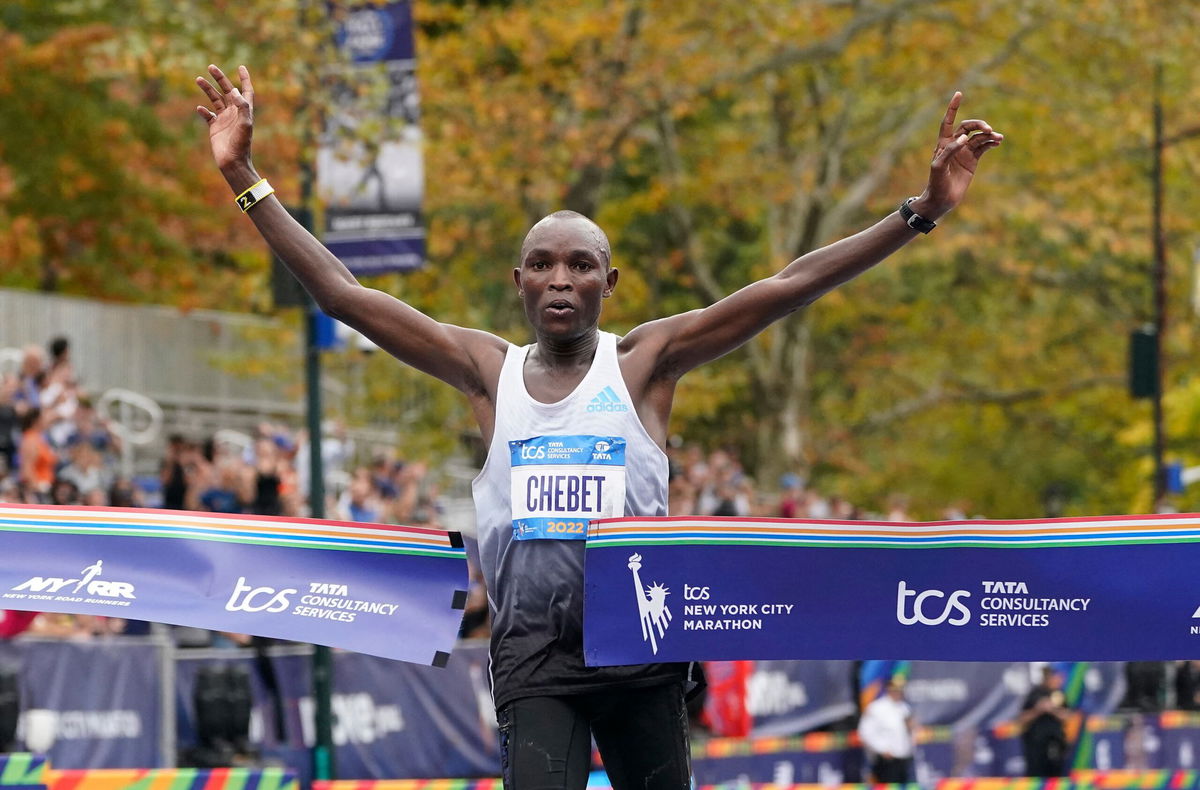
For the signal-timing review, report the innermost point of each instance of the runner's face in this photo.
(563, 277)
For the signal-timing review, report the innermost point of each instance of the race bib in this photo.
(560, 483)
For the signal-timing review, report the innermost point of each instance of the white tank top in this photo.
(551, 467)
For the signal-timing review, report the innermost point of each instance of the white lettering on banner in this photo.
(745, 624)
(75, 725)
(38, 584)
(937, 690)
(1023, 620)
(328, 589)
(735, 616)
(773, 694)
(1016, 680)
(356, 719)
(1036, 604)
(99, 591)
(1002, 598)
(953, 604)
(246, 598)
(1005, 587)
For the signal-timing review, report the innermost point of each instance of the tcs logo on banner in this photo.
(247, 598)
(924, 611)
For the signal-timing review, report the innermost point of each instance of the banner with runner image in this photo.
(692, 588)
(370, 168)
(390, 591)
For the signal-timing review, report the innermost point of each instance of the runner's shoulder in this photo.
(486, 352)
(647, 343)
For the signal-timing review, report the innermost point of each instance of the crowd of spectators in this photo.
(716, 484)
(54, 447)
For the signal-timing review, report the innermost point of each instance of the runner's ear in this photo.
(611, 276)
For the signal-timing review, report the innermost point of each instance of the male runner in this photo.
(576, 399)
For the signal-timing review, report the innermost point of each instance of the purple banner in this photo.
(80, 723)
(396, 592)
(392, 720)
(791, 697)
(689, 588)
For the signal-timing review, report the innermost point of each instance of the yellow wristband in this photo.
(254, 194)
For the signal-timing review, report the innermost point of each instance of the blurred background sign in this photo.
(370, 174)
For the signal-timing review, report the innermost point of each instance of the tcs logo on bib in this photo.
(923, 608)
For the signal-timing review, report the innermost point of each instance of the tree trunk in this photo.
(784, 387)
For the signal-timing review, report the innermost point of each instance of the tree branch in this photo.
(937, 395)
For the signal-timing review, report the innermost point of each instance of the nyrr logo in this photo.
(87, 584)
(952, 604)
(258, 599)
(606, 400)
(652, 606)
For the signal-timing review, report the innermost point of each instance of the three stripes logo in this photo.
(606, 400)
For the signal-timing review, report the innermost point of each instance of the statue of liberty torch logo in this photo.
(652, 605)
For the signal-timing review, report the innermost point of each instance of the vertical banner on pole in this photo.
(370, 174)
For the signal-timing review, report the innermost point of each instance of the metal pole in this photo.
(323, 763)
(1160, 293)
(322, 661)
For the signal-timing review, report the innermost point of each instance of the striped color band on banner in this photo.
(1095, 531)
(256, 530)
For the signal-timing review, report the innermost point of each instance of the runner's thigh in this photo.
(544, 744)
(642, 735)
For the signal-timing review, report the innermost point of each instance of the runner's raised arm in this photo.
(691, 339)
(460, 357)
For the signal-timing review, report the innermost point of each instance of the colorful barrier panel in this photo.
(1079, 780)
(1148, 741)
(22, 769)
(1135, 780)
(175, 779)
(595, 782)
(819, 758)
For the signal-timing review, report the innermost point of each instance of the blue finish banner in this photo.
(396, 592)
(692, 588)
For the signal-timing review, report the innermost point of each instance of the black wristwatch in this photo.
(915, 220)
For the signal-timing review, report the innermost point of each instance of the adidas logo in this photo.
(606, 400)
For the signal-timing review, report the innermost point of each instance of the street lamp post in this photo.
(1159, 276)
